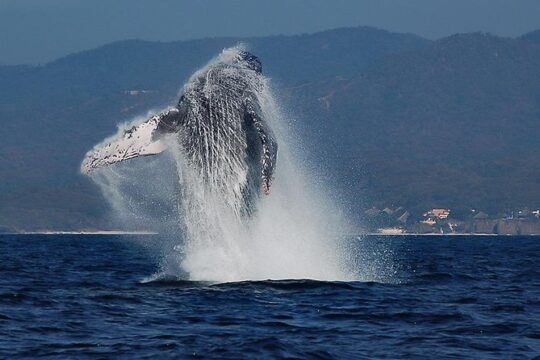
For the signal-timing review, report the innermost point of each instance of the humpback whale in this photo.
(218, 126)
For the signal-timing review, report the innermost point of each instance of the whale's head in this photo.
(239, 58)
(250, 61)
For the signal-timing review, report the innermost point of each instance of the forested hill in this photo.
(455, 124)
(52, 114)
(397, 119)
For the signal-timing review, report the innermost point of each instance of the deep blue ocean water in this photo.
(450, 297)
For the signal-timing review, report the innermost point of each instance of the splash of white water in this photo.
(291, 235)
(294, 232)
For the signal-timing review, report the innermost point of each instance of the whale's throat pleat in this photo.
(218, 154)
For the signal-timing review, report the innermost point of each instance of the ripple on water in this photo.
(442, 305)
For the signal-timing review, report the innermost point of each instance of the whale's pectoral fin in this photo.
(269, 149)
(139, 140)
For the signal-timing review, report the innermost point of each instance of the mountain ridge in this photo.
(371, 106)
(77, 100)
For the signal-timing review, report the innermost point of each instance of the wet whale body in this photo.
(218, 127)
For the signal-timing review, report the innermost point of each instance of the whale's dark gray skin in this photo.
(218, 124)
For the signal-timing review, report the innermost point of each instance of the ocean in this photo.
(445, 297)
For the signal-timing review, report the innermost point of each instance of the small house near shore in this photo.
(431, 217)
(440, 214)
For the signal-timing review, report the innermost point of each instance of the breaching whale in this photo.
(219, 128)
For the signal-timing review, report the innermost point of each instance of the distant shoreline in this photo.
(97, 232)
(119, 232)
(447, 234)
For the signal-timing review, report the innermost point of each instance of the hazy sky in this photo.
(36, 31)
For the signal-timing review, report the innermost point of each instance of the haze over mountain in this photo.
(533, 36)
(37, 31)
(397, 119)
